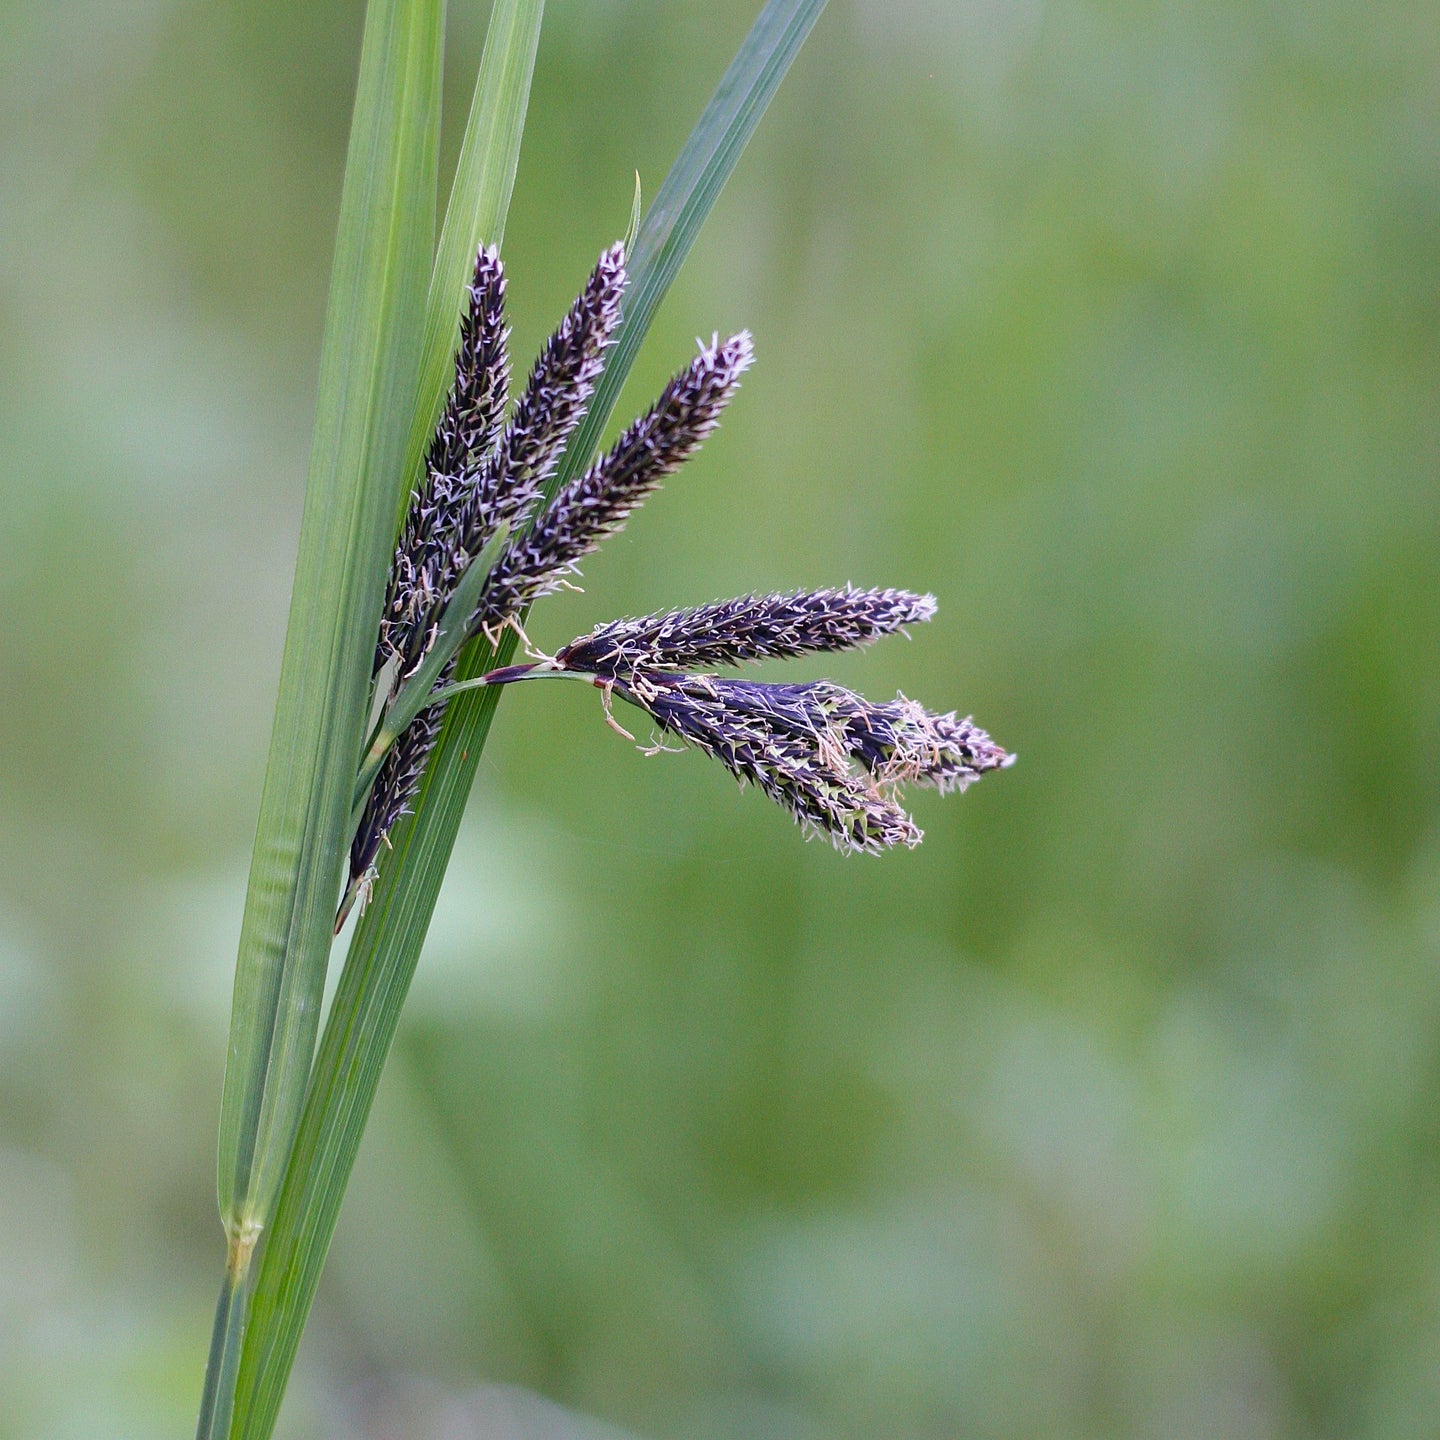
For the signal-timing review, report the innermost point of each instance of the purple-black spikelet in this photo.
(553, 403)
(395, 787)
(478, 478)
(469, 426)
(828, 755)
(599, 501)
(459, 514)
(473, 413)
(831, 757)
(902, 742)
(770, 736)
(753, 627)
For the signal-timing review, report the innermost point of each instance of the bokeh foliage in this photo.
(1110, 1110)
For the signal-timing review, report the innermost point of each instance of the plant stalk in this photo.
(217, 1401)
(383, 953)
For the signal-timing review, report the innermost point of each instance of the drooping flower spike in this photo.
(789, 740)
(834, 759)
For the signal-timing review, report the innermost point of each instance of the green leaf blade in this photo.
(684, 201)
(479, 202)
(369, 358)
(367, 1004)
(324, 1148)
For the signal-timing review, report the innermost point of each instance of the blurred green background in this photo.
(1114, 1109)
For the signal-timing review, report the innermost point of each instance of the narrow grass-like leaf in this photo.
(366, 396)
(690, 191)
(369, 357)
(217, 1395)
(388, 938)
(348, 1063)
(281, 1292)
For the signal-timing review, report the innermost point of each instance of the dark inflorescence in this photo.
(553, 404)
(832, 758)
(599, 501)
(902, 742)
(787, 740)
(753, 627)
(465, 439)
(479, 475)
(829, 756)
(396, 785)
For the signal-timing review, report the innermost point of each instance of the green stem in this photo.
(509, 675)
(389, 730)
(217, 1399)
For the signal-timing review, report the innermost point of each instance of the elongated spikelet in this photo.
(753, 627)
(452, 517)
(423, 569)
(477, 476)
(599, 501)
(473, 413)
(553, 403)
(778, 738)
(833, 759)
(901, 742)
(395, 787)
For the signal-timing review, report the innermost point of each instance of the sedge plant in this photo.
(436, 513)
